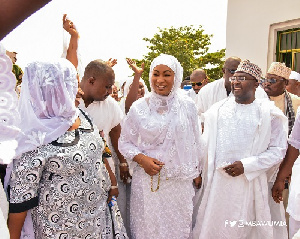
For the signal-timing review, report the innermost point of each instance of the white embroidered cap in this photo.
(294, 75)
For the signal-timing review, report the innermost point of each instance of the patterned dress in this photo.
(66, 184)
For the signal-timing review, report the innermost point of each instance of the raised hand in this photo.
(111, 62)
(134, 67)
(69, 26)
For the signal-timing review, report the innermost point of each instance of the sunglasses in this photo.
(198, 83)
(272, 80)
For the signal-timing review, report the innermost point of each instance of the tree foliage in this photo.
(189, 45)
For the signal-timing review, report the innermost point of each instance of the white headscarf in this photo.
(129, 83)
(161, 102)
(174, 64)
(47, 103)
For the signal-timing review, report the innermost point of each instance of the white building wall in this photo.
(252, 26)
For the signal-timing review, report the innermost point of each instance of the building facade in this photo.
(264, 31)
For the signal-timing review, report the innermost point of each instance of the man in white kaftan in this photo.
(246, 141)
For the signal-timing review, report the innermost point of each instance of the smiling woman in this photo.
(161, 141)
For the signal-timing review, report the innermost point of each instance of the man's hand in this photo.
(198, 182)
(69, 26)
(235, 169)
(124, 173)
(277, 189)
(111, 193)
(134, 67)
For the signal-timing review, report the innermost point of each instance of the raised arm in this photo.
(73, 45)
(134, 88)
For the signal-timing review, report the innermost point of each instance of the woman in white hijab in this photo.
(58, 172)
(160, 138)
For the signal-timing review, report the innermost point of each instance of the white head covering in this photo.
(129, 83)
(160, 102)
(171, 62)
(47, 103)
(294, 75)
(164, 127)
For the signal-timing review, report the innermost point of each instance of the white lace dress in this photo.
(171, 135)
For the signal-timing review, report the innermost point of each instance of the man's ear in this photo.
(286, 82)
(256, 84)
(223, 70)
(91, 80)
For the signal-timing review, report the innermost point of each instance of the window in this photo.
(288, 48)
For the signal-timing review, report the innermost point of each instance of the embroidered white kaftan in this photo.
(254, 134)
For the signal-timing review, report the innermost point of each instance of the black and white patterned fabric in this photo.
(66, 184)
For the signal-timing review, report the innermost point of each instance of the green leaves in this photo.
(189, 45)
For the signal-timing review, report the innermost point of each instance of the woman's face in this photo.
(162, 80)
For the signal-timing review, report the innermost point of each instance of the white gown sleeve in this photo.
(256, 165)
(129, 138)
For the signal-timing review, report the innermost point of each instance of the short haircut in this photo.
(232, 59)
(198, 72)
(96, 68)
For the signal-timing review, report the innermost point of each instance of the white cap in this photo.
(295, 75)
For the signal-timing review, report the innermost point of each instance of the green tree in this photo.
(189, 45)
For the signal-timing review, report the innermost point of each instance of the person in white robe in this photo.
(8, 128)
(221, 89)
(160, 138)
(246, 141)
(291, 166)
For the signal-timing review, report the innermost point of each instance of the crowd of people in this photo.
(99, 160)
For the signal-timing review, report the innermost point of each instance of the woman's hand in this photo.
(134, 67)
(151, 166)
